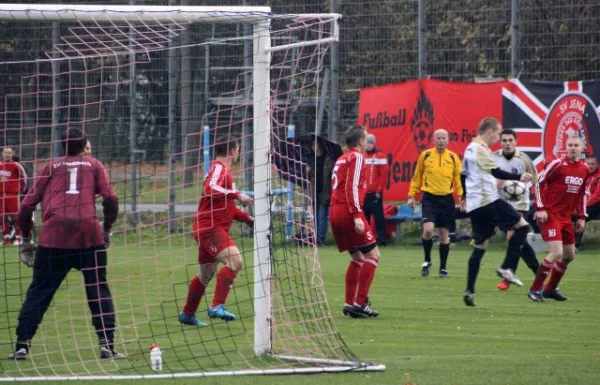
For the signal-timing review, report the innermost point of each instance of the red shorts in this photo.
(342, 226)
(211, 244)
(9, 205)
(557, 229)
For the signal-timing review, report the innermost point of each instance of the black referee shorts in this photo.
(438, 209)
(484, 220)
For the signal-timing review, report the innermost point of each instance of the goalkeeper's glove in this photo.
(107, 238)
(27, 252)
(250, 222)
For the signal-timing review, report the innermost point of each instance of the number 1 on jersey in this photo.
(72, 181)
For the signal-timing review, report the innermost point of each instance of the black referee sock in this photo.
(444, 251)
(474, 263)
(513, 252)
(427, 246)
(528, 255)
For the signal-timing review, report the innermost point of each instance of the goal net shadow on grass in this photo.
(86, 70)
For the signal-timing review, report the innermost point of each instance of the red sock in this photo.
(558, 270)
(195, 293)
(541, 275)
(367, 272)
(225, 279)
(352, 281)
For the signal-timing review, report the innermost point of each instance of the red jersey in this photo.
(376, 170)
(593, 187)
(12, 178)
(561, 188)
(348, 182)
(67, 188)
(217, 209)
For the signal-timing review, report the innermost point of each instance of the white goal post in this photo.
(264, 48)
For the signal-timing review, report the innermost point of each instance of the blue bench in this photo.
(405, 214)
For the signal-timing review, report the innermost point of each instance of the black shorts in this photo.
(438, 209)
(523, 213)
(484, 220)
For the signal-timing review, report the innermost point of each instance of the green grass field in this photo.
(425, 335)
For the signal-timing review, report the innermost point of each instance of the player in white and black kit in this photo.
(510, 159)
(484, 206)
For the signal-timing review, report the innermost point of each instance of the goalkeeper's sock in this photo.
(352, 280)
(106, 343)
(195, 293)
(22, 345)
(225, 279)
(365, 278)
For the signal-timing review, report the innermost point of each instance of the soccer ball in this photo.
(513, 190)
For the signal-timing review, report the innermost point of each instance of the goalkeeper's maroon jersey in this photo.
(561, 188)
(217, 209)
(348, 182)
(12, 178)
(67, 188)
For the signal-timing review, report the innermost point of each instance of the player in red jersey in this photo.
(12, 183)
(559, 192)
(350, 229)
(71, 237)
(216, 212)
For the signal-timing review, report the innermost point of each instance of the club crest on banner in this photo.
(421, 124)
(571, 114)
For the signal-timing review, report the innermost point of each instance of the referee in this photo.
(438, 175)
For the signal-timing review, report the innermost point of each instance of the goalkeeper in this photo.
(71, 237)
(216, 212)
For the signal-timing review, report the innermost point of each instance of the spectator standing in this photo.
(376, 170)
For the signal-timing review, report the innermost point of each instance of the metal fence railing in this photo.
(382, 41)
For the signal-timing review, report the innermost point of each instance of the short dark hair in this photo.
(486, 124)
(591, 156)
(354, 135)
(223, 144)
(74, 141)
(509, 131)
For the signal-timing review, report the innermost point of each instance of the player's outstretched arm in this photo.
(244, 217)
(485, 161)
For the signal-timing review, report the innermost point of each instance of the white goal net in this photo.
(153, 88)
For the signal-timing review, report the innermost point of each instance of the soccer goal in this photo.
(153, 87)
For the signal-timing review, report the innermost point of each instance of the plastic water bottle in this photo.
(156, 357)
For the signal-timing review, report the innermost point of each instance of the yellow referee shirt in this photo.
(437, 174)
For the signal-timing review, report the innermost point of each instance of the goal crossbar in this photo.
(195, 14)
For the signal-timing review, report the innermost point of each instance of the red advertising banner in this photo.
(404, 116)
